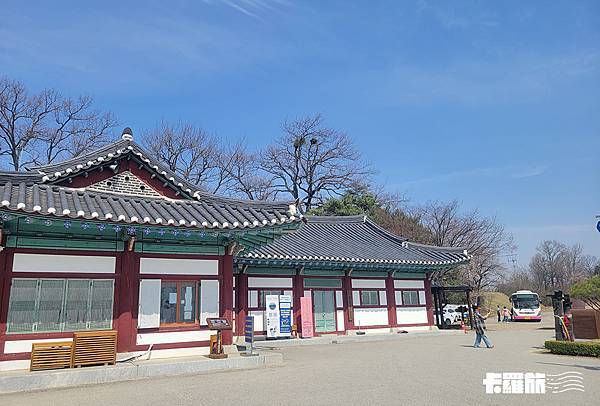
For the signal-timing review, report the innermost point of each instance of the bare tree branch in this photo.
(310, 162)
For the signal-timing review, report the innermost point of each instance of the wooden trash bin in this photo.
(51, 355)
(94, 348)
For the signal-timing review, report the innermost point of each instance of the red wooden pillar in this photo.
(241, 290)
(5, 271)
(298, 292)
(348, 305)
(227, 296)
(126, 295)
(428, 300)
(391, 300)
(128, 264)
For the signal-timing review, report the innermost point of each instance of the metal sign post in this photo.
(249, 336)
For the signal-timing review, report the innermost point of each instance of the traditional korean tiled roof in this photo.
(36, 192)
(352, 239)
(58, 201)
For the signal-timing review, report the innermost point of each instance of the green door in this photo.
(324, 311)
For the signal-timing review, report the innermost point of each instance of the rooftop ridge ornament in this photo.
(127, 134)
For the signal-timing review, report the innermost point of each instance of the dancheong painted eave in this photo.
(354, 240)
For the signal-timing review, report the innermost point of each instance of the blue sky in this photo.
(496, 104)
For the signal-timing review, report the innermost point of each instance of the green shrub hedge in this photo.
(582, 348)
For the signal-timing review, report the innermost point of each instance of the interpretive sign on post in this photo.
(285, 316)
(306, 314)
(216, 344)
(249, 335)
(272, 315)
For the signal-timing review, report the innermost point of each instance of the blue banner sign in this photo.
(249, 329)
(285, 316)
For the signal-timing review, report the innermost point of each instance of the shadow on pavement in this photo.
(588, 367)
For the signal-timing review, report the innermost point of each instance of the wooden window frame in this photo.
(65, 279)
(361, 305)
(258, 290)
(178, 283)
(419, 304)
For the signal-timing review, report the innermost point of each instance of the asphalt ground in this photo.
(418, 370)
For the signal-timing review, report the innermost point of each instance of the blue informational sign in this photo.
(285, 316)
(249, 329)
(598, 226)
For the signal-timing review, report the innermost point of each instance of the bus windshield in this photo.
(525, 302)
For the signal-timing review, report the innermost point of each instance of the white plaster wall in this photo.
(259, 320)
(12, 347)
(368, 283)
(178, 352)
(63, 263)
(340, 320)
(370, 317)
(14, 365)
(174, 337)
(171, 266)
(411, 315)
(404, 284)
(339, 299)
(256, 282)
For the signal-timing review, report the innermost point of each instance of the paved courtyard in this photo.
(433, 370)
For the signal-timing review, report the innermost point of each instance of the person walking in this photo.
(506, 314)
(498, 313)
(479, 326)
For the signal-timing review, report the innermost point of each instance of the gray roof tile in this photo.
(51, 200)
(352, 239)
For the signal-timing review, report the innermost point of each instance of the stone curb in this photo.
(31, 381)
(278, 344)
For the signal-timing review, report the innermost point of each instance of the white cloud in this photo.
(507, 172)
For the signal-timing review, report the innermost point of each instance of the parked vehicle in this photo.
(526, 306)
(452, 314)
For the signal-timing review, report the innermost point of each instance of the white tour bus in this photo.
(526, 306)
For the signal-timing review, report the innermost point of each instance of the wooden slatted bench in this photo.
(51, 355)
(94, 348)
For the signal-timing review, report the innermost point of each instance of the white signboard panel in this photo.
(172, 266)
(272, 315)
(209, 300)
(149, 303)
(63, 263)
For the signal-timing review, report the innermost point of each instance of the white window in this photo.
(55, 305)
(369, 298)
(410, 297)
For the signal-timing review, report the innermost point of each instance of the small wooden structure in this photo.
(439, 300)
(52, 355)
(94, 348)
(216, 341)
(586, 323)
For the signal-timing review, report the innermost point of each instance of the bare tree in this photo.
(519, 279)
(483, 237)
(311, 161)
(186, 149)
(22, 119)
(245, 175)
(547, 266)
(195, 155)
(44, 127)
(557, 266)
(578, 266)
(76, 128)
